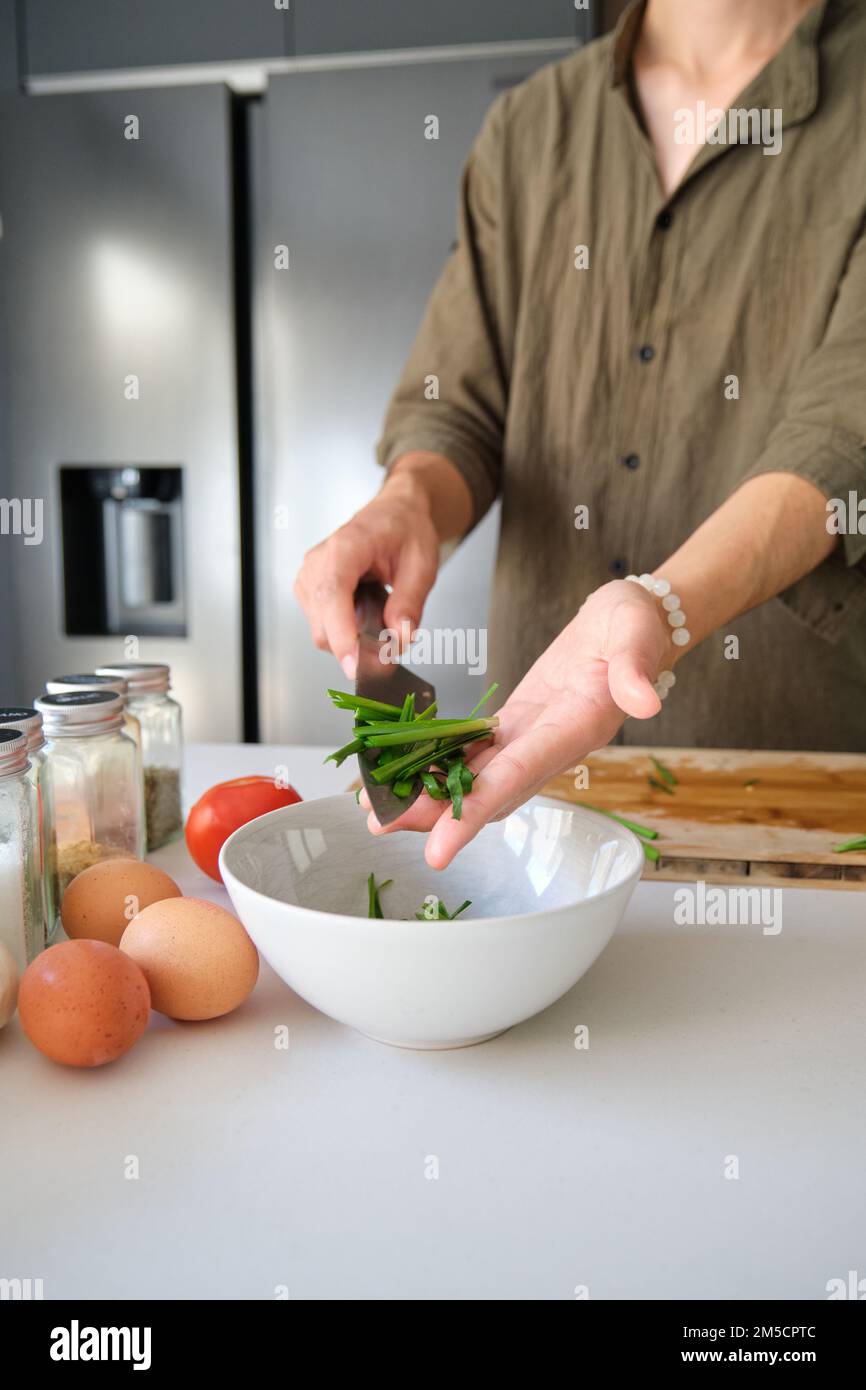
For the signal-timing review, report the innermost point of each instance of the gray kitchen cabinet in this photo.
(345, 26)
(102, 35)
(8, 83)
(96, 35)
(8, 47)
(366, 207)
(116, 268)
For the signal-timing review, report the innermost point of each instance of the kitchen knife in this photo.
(387, 680)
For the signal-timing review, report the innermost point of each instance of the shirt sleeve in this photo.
(822, 437)
(452, 396)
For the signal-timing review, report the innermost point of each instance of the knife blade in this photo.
(379, 678)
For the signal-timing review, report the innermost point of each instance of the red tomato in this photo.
(224, 808)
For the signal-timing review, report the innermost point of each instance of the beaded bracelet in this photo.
(676, 617)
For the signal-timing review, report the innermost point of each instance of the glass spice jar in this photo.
(92, 802)
(29, 723)
(22, 913)
(148, 684)
(62, 685)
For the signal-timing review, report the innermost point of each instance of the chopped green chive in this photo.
(441, 913)
(419, 732)
(374, 906)
(427, 914)
(403, 747)
(483, 701)
(643, 830)
(434, 786)
(454, 783)
(663, 772)
(660, 786)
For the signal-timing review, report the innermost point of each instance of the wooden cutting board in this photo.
(736, 816)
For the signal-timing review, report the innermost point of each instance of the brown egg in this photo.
(198, 960)
(101, 901)
(83, 1003)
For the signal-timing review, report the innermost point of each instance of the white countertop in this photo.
(305, 1169)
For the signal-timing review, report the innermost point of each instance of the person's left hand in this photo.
(599, 669)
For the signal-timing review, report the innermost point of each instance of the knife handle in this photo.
(370, 599)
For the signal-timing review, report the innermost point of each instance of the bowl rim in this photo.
(552, 803)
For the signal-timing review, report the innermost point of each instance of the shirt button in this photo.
(631, 461)
(664, 219)
(617, 566)
(646, 353)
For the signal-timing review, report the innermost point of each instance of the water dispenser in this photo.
(123, 563)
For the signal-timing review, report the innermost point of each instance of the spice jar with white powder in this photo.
(22, 915)
(29, 723)
(148, 699)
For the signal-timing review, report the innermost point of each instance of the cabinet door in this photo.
(94, 35)
(344, 26)
(367, 208)
(8, 47)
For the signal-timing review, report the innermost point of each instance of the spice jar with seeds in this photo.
(92, 803)
(22, 904)
(62, 685)
(148, 685)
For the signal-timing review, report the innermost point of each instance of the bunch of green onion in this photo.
(405, 748)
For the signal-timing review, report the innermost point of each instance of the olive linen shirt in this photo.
(716, 334)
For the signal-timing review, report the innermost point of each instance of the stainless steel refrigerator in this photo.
(117, 392)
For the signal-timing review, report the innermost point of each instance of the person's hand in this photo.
(599, 669)
(392, 539)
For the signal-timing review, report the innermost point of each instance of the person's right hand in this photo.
(392, 539)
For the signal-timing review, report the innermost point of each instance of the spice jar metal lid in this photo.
(142, 677)
(13, 752)
(26, 721)
(79, 713)
(90, 680)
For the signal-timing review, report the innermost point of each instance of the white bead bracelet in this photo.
(680, 634)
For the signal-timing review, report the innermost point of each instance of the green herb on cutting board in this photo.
(851, 846)
(752, 782)
(405, 748)
(660, 786)
(664, 772)
(643, 831)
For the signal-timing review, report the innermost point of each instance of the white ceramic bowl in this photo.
(549, 886)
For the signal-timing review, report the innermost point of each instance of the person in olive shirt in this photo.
(650, 342)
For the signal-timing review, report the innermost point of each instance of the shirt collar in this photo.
(789, 81)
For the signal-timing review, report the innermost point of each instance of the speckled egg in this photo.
(101, 901)
(83, 1003)
(198, 960)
